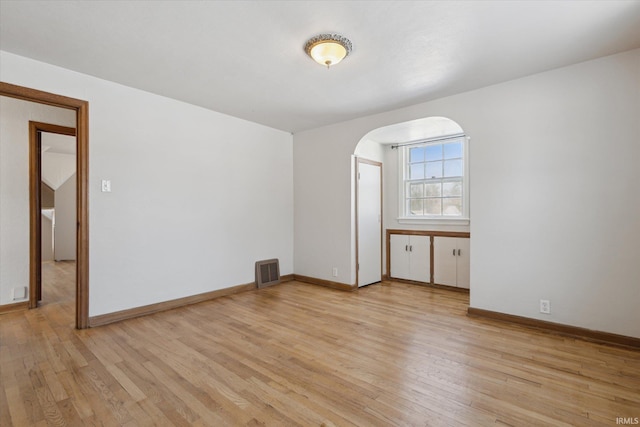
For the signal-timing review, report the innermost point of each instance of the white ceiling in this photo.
(57, 143)
(246, 58)
(58, 158)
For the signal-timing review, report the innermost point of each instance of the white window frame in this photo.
(403, 217)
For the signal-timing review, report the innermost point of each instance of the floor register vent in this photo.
(267, 273)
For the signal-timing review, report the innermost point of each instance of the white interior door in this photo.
(369, 222)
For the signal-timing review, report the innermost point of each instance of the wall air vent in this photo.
(267, 273)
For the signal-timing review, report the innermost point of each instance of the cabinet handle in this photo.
(410, 248)
(406, 248)
(454, 252)
(458, 252)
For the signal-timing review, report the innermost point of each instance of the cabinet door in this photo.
(420, 258)
(463, 263)
(399, 256)
(445, 253)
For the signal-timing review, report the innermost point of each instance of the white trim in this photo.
(401, 175)
(429, 140)
(434, 221)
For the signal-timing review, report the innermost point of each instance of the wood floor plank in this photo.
(95, 375)
(50, 409)
(16, 410)
(71, 384)
(193, 408)
(298, 354)
(134, 392)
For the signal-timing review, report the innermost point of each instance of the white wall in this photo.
(323, 171)
(370, 150)
(57, 167)
(46, 249)
(561, 220)
(66, 223)
(14, 185)
(555, 213)
(197, 196)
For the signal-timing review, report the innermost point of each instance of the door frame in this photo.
(35, 203)
(357, 178)
(82, 196)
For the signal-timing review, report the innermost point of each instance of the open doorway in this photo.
(426, 198)
(56, 173)
(32, 232)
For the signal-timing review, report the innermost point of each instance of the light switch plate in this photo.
(106, 186)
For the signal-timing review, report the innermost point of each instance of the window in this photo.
(434, 183)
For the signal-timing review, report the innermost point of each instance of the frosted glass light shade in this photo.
(328, 49)
(328, 53)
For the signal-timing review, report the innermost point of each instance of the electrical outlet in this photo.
(545, 306)
(19, 293)
(335, 271)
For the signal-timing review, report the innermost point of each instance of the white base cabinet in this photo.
(410, 257)
(451, 261)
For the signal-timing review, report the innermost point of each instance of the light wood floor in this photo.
(298, 354)
(58, 282)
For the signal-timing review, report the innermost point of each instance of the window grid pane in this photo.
(452, 206)
(416, 206)
(416, 154)
(452, 168)
(416, 190)
(433, 206)
(434, 180)
(416, 171)
(434, 170)
(452, 188)
(453, 150)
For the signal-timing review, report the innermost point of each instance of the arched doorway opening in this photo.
(384, 146)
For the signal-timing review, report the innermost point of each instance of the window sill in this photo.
(434, 221)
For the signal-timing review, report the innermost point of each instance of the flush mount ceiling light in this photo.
(328, 49)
